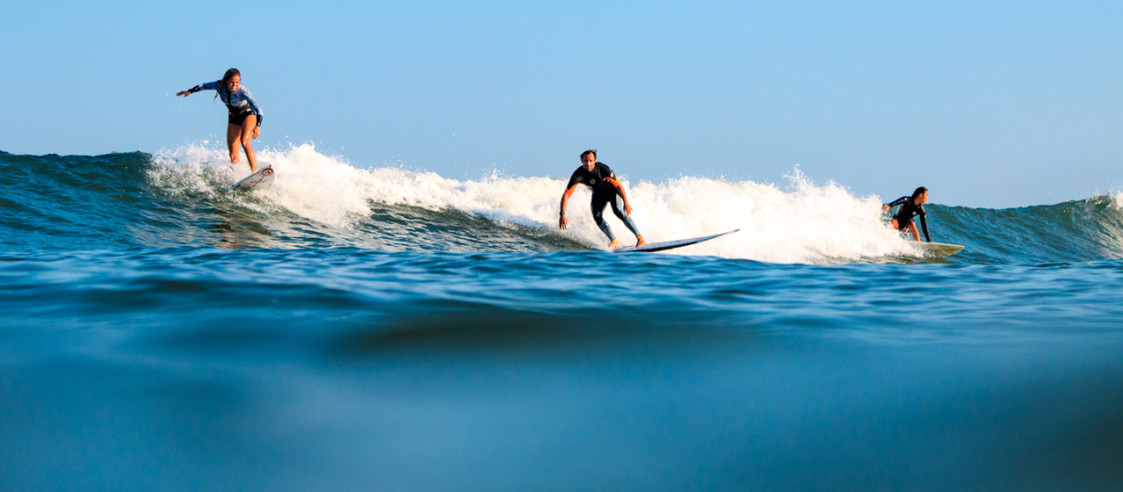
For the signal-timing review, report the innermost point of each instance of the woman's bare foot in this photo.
(640, 241)
(614, 244)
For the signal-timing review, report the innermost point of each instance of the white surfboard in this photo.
(261, 179)
(665, 245)
(940, 249)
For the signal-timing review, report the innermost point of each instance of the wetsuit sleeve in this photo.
(924, 223)
(206, 86)
(609, 176)
(573, 179)
(253, 104)
(898, 201)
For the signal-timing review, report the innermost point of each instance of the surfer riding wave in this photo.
(607, 189)
(911, 206)
(244, 121)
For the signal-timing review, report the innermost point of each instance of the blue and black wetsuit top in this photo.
(600, 179)
(908, 210)
(239, 103)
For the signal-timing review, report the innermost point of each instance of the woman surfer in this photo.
(911, 206)
(244, 123)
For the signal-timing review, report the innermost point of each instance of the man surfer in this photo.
(911, 206)
(606, 188)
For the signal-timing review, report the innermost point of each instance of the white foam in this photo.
(1117, 197)
(193, 169)
(802, 223)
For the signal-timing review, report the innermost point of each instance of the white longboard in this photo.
(261, 179)
(665, 245)
(940, 249)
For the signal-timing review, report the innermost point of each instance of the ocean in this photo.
(385, 329)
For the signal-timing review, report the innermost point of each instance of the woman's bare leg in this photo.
(247, 135)
(911, 228)
(232, 132)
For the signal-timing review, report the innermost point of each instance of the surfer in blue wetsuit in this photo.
(244, 122)
(911, 206)
(606, 188)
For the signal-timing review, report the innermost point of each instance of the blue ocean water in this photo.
(354, 329)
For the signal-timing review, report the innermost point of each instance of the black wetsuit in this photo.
(604, 193)
(597, 179)
(908, 210)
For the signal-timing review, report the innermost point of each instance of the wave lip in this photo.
(181, 197)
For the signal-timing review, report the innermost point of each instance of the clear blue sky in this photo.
(993, 104)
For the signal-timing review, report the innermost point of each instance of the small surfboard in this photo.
(665, 245)
(261, 179)
(940, 249)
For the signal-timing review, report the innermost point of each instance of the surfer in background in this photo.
(606, 187)
(911, 206)
(244, 123)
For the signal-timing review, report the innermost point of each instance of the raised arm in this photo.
(206, 86)
(894, 203)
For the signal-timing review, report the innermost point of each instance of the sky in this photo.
(987, 103)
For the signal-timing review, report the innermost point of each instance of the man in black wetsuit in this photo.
(911, 206)
(605, 188)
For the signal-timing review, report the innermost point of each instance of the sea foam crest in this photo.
(802, 222)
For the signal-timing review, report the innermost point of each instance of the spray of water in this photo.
(800, 222)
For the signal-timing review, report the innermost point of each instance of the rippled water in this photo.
(175, 336)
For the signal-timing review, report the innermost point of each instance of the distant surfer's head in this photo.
(589, 158)
(921, 191)
(231, 79)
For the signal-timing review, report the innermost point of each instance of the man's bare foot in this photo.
(614, 244)
(640, 241)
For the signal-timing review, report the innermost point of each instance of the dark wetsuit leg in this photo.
(597, 205)
(627, 219)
